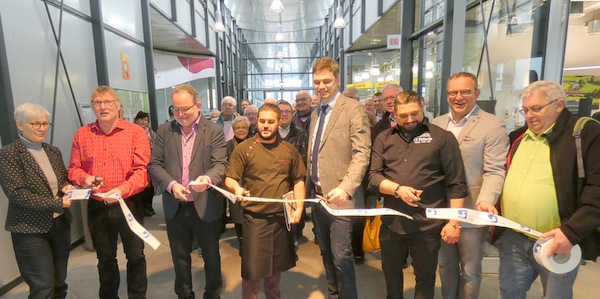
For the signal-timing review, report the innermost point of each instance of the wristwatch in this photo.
(396, 195)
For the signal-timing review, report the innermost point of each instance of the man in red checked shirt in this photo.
(110, 156)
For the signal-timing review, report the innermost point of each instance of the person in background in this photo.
(314, 101)
(227, 116)
(296, 136)
(251, 113)
(241, 127)
(214, 116)
(171, 115)
(110, 156)
(483, 143)
(378, 103)
(34, 179)
(270, 101)
(304, 109)
(352, 93)
(265, 166)
(243, 104)
(543, 191)
(370, 105)
(141, 119)
(388, 119)
(191, 149)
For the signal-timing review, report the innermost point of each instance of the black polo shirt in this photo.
(429, 160)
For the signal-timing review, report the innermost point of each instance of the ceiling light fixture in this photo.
(279, 36)
(277, 6)
(358, 78)
(389, 78)
(365, 75)
(218, 27)
(339, 22)
(375, 71)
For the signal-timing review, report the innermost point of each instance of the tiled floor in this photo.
(306, 280)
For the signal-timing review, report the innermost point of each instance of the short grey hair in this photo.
(229, 98)
(250, 107)
(240, 118)
(550, 89)
(393, 85)
(28, 111)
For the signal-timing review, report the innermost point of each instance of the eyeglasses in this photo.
(301, 99)
(228, 105)
(390, 98)
(535, 109)
(251, 114)
(183, 110)
(286, 112)
(464, 93)
(240, 128)
(106, 103)
(38, 126)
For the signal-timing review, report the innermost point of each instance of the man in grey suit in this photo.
(338, 155)
(187, 149)
(483, 142)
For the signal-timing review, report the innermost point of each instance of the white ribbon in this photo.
(335, 212)
(478, 218)
(557, 263)
(135, 226)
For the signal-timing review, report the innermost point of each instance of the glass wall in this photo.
(511, 59)
(581, 71)
(370, 71)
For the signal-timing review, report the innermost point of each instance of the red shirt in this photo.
(120, 157)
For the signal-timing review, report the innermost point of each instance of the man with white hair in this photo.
(251, 112)
(227, 116)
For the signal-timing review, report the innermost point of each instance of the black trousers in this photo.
(181, 230)
(423, 247)
(106, 223)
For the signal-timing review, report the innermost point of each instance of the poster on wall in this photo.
(125, 66)
(577, 87)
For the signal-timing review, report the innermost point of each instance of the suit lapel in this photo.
(198, 138)
(177, 142)
(32, 164)
(335, 114)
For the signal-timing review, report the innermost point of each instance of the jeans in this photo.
(106, 223)
(334, 237)
(42, 259)
(460, 264)
(518, 270)
(423, 248)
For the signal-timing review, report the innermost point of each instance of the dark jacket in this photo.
(382, 125)
(578, 201)
(31, 203)
(299, 139)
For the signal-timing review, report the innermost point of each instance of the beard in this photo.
(270, 137)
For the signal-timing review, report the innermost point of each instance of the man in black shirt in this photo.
(415, 166)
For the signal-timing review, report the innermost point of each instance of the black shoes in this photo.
(359, 260)
(149, 212)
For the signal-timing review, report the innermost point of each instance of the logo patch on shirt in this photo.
(423, 138)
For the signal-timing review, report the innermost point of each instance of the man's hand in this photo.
(241, 192)
(296, 216)
(204, 181)
(485, 206)
(337, 196)
(180, 191)
(108, 199)
(409, 195)
(93, 182)
(450, 234)
(560, 244)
